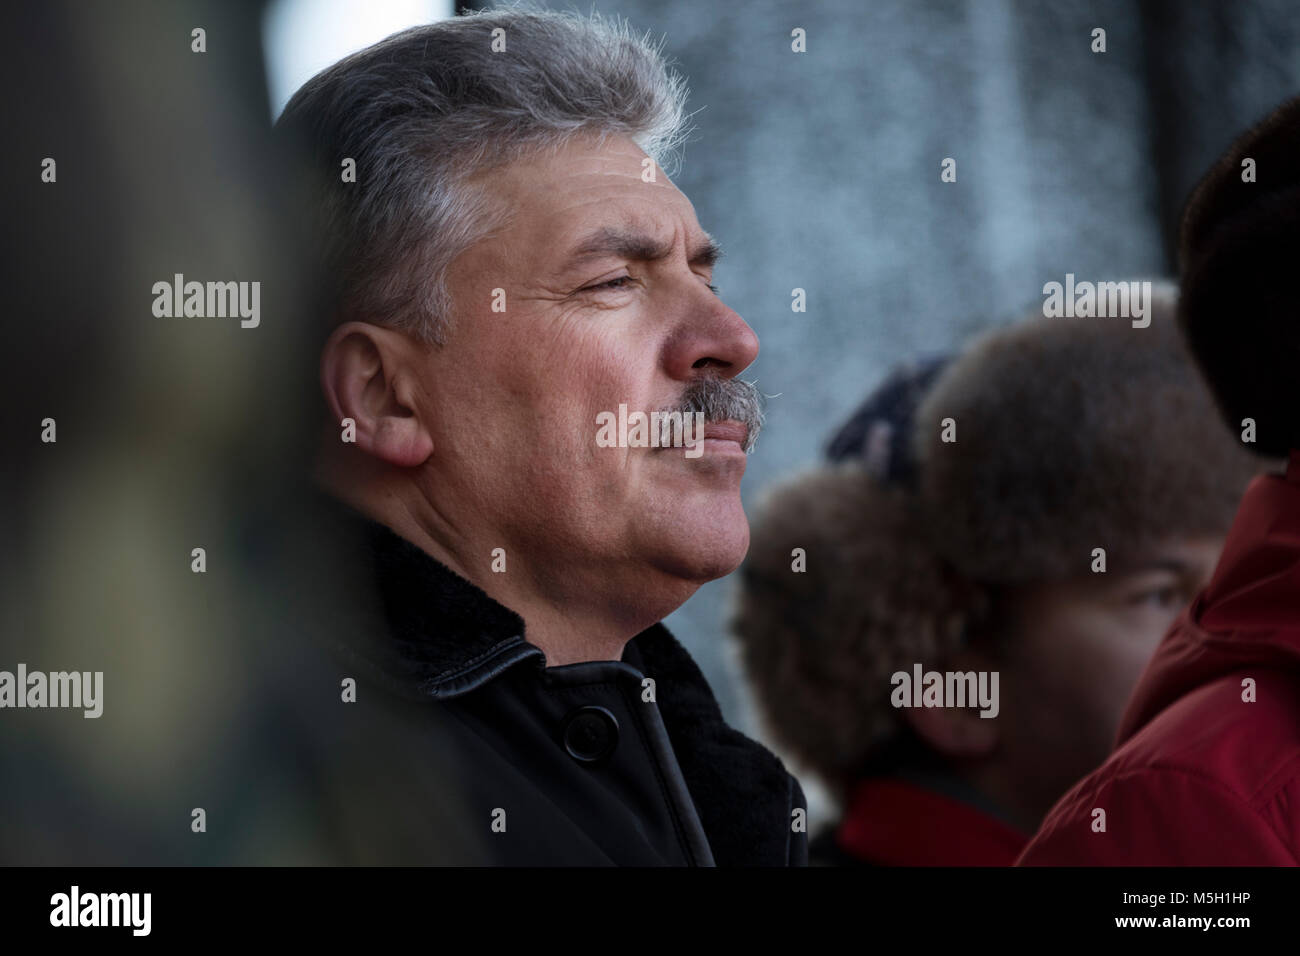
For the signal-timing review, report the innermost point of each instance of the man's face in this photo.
(1075, 653)
(605, 282)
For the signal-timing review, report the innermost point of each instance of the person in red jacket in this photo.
(1207, 765)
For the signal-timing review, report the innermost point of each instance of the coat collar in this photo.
(445, 637)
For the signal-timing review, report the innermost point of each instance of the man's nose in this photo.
(715, 337)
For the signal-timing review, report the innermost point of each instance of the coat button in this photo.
(590, 734)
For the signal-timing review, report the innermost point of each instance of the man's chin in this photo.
(709, 547)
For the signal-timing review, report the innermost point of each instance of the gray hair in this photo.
(429, 109)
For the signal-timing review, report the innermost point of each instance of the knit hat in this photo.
(879, 433)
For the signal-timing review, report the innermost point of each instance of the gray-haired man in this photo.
(512, 265)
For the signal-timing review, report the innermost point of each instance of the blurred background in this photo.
(818, 170)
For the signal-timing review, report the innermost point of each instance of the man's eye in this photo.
(611, 284)
(1163, 598)
(620, 283)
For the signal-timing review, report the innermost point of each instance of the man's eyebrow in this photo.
(640, 246)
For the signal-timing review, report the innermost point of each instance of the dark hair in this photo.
(1237, 251)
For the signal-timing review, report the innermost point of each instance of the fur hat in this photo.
(1071, 434)
(1237, 250)
(819, 647)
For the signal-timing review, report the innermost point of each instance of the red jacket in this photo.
(890, 821)
(1201, 776)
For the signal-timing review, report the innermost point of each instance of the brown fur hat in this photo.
(819, 646)
(1071, 434)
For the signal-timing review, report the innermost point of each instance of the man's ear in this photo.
(365, 373)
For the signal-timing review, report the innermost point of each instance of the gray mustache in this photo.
(725, 399)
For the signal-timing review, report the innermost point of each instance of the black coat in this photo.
(462, 747)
